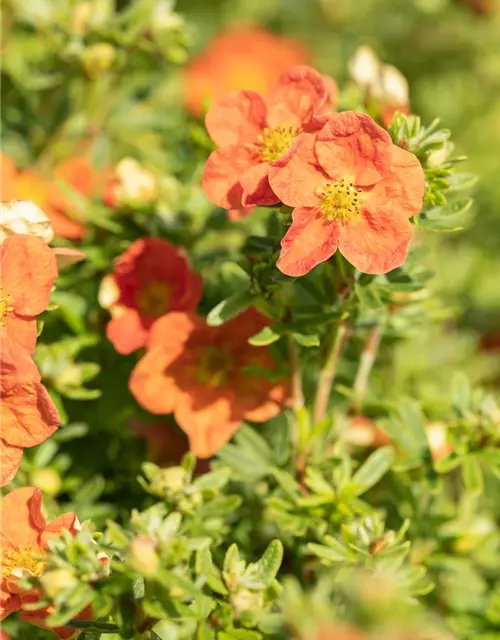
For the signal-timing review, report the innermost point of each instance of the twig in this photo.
(329, 370)
(297, 392)
(365, 366)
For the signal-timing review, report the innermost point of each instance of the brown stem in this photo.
(329, 370)
(365, 366)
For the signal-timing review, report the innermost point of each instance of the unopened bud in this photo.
(133, 185)
(170, 480)
(53, 582)
(142, 556)
(47, 480)
(245, 599)
(26, 218)
(98, 58)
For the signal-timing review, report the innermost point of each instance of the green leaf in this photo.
(213, 480)
(306, 340)
(449, 217)
(461, 181)
(333, 553)
(260, 575)
(264, 337)
(231, 307)
(239, 634)
(472, 475)
(373, 469)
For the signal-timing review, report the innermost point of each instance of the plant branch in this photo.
(365, 366)
(297, 392)
(329, 370)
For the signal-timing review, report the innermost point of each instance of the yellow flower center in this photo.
(153, 300)
(214, 366)
(5, 306)
(340, 200)
(22, 561)
(275, 142)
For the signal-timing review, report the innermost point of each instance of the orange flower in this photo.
(29, 270)
(28, 415)
(241, 58)
(199, 373)
(253, 132)
(77, 173)
(24, 536)
(3, 635)
(354, 190)
(151, 278)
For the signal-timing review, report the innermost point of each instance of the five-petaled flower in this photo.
(253, 132)
(210, 378)
(24, 537)
(29, 270)
(354, 190)
(28, 415)
(150, 279)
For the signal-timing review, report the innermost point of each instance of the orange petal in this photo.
(66, 521)
(151, 386)
(126, 332)
(10, 459)
(223, 171)
(209, 424)
(311, 239)
(300, 93)
(66, 257)
(256, 187)
(352, 146)
(296, 177)
(377, 240)
(28, 414)
(21, 331)
(237, 119)
(29, 271)
(22, 518)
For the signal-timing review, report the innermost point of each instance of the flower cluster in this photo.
(351, 188)
(25, 535)
(199, 373)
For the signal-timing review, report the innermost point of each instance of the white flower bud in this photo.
(23, 217)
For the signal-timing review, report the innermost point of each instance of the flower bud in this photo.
(142, 556)
(132, 185)
(53, 582)
(171, 480)
(24, 217)
(245, 599)
(98, 58)
(47, 480)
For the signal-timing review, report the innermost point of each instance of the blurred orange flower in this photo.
(150, 279)
(340, 632)
(243, 57)
(76, 172)
(253, 132)
(24, 537)
(354, 191)
(201, 375)
(28, 415)
(29, 270)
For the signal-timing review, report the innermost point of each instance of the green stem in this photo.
(365, 366)
(329, 370)
(297, 392)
